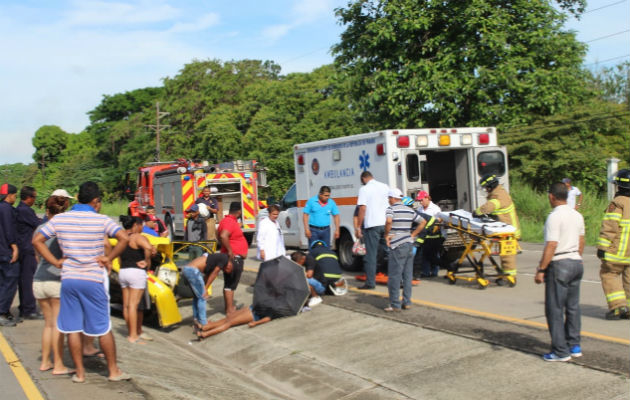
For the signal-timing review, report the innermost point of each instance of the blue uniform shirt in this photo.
(319, 215)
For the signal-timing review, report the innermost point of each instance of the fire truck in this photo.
(445, 162)
(172, 187)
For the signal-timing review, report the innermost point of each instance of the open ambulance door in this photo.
(413, 173)
(489, 160)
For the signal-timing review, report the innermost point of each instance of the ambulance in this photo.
(445, 162)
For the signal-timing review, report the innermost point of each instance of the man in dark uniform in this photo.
(9, 266)
(26, 223)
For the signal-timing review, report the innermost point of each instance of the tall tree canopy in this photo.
(410, 63)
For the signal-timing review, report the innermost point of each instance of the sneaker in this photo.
(617, 313)
(314, 301)
(576, 351)
(554, 357)
(4, 321)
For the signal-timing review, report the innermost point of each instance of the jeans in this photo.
(562, 304)
(372, 237)
(317, 285)
(320, 234)
(195, 280)
(9, 276)
(400, 265)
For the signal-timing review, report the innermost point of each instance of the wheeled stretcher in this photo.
(483, 238)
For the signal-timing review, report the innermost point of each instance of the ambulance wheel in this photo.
(347, 260)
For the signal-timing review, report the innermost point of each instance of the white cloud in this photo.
(201, 24)
(302, 13)
(102, 13)
(275, 32)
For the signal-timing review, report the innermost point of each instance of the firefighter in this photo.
(501, 206)
(613, 249)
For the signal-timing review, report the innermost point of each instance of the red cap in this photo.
(421, 195)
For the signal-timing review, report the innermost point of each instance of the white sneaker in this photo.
(314, 301)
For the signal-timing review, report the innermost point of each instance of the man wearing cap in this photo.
(26, 223)
(427, 259)
(9, 253)
(317, 213)
(213, 208)
(399, 218)
(370, 223)
(574, 194)
(234, 244)
(160, 229)
(195, 231)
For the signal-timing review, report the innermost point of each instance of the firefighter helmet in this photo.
(408, 201)
(489, 181)
(622, 178)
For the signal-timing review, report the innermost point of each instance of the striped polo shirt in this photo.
(402, 217)
(81, 234)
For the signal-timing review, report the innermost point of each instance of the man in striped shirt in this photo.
(84, 300)
(399, 239)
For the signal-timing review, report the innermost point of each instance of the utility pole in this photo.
(157, 127)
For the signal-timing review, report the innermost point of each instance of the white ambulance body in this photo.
(445, 162)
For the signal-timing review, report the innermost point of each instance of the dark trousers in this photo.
(9, 276)
(431, 256)
(28, 265)
(562, 304)
(373, 238)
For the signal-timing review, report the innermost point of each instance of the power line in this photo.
(607, 36)
(568, 123)
(609, 59)
(605, 6)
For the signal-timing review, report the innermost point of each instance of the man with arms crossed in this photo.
(84, 304)
(561, 269)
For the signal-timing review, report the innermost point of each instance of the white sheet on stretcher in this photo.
(463, 218)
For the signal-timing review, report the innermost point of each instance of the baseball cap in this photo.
(395, 193)
(7, 188)
(193, 208)
(61, 193)
(421, 195)
(566, 180)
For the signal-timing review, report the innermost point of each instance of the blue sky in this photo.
(60, 57)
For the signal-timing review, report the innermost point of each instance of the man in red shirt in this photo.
(233, 243)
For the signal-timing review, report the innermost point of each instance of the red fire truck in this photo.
(172, 187)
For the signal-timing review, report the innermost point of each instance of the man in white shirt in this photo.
(269, 239)
(561, 269)
(372, 202)
(427, 206)
(573, 195)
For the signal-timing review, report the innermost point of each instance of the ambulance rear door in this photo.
(489, 160)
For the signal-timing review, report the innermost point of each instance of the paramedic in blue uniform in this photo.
(317, 213)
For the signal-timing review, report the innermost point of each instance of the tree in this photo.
(613, 83)
(410, 63)
(49, 141)
(122, 105)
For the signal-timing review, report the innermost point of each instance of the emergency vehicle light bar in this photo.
(380, 149)
(402, 141)
(422, 141)
(300, 159)
(445, 140)
(484, 138)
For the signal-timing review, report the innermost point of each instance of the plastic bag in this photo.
(358, 248)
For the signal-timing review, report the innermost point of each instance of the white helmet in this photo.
(339, 288)
(203, 210)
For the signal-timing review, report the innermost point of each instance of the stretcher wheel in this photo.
(483, 283)
(451, 278)
(500, 282)
(511, 281)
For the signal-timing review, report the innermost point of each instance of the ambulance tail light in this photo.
(300, 159)
(445, 140)
(403, 141)
(484, 138)
(466, 139)
(380, 149)
(422, 141)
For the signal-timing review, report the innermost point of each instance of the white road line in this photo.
(583, 280)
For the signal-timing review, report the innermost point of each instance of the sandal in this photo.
(76, 379)
(391, 309)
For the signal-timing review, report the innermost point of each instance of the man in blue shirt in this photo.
(317, 213)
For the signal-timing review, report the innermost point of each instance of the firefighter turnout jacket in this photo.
(615, 232)
(500, 204)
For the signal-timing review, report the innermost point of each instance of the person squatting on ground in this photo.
(195, 231)
(323, 272)
(561, 269)
(46, 289)
(234, 244)
(613, 249)
(372, 202)
(269, 239)
(135, 259)
(25, 224)
(84, 299)
(399, 219)
(9, 254)
(316, 216)
(245, 315)
(501, 206)
(213, 208)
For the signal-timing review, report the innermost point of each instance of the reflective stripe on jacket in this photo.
(500, 204)
(614, 234)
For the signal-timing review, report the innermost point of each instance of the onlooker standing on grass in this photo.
(269, 237)
(372, 204)
(317, 213)
(399, 219)
(9, 266)
(574, 196)
(234, 244)
(47, 288)
(25, 224)
(561, 269)
(84, 299)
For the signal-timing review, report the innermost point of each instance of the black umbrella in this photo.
(281, 288)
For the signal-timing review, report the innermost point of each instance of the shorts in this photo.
(230, 281)
(134, 278)
(254, 315)
(84, 308)
(46, 289)
(317, 285)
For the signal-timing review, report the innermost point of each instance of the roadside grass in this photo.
(115, 209)
(533, 207)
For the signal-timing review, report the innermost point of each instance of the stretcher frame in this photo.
(479, 247)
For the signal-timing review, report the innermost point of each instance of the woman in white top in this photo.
(269, 237)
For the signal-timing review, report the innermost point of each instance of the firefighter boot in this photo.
(618, 313)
